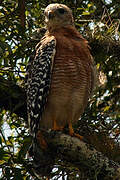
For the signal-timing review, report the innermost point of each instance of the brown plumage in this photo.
(72, 70)
(72, 76)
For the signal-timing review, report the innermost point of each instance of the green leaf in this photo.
(85, 13)
(4, 155)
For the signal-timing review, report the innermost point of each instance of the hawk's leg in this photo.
(71, 132)
(56, 127)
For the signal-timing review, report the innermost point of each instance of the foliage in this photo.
(98, 21)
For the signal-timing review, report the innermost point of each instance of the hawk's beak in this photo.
(50, 14)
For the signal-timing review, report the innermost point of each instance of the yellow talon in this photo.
(71, 132)
(56, 127)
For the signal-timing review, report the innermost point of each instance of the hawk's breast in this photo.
(70, 83)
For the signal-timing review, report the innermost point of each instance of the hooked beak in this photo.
(50, 15)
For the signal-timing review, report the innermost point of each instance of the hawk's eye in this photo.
(61, 11)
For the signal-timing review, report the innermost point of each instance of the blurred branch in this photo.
(12, 97)
(105, 44)
(76, 152)
(21, 5)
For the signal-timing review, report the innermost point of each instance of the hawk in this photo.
(61, 76)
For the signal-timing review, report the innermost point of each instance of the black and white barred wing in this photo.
(38, 84)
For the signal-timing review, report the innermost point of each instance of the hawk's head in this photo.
(58, 15)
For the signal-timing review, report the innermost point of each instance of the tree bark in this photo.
(21, 5)
(73, 150)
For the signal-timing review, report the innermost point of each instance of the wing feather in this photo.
(38, 83)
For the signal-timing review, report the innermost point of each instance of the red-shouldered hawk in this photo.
(61, 77)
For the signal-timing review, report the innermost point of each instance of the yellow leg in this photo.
(71, 132)
(41, 140)
(56, 127)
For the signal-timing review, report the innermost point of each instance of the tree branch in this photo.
(21, 5)
(77, 152)
(12, 98)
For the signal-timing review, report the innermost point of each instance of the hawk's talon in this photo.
(71, 132)
(56, 127)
